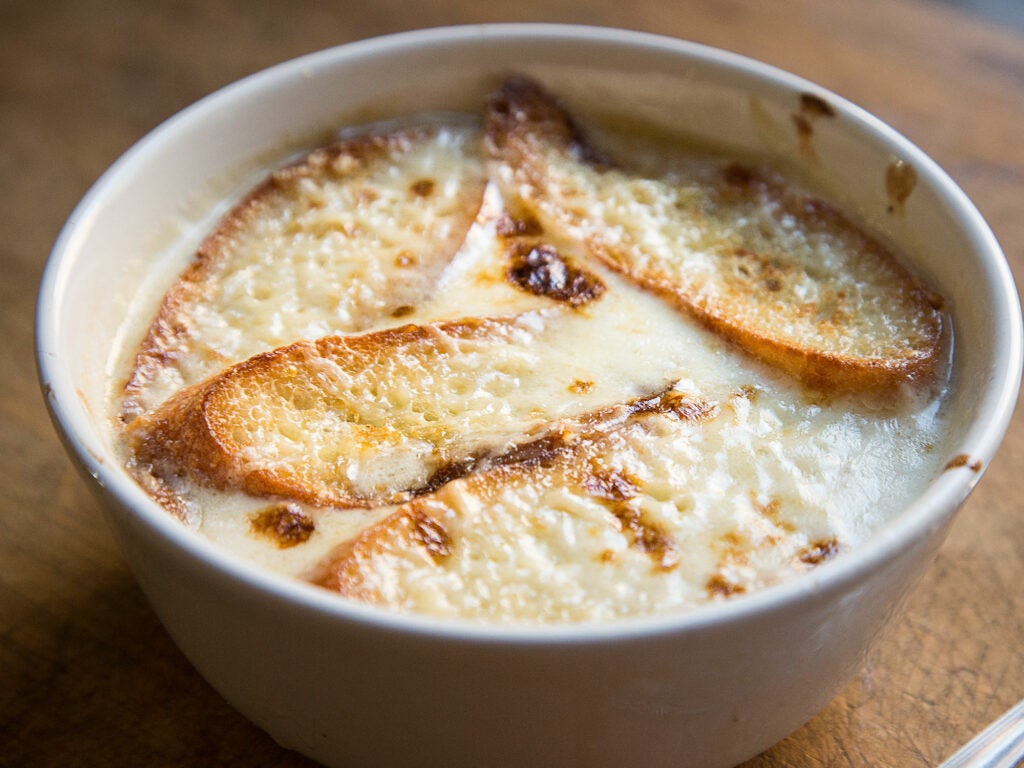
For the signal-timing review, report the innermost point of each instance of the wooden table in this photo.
(88, 676)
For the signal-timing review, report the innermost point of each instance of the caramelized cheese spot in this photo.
(581, 387)
(518, 226)
(739, 175)
(720, 587)
(542, 451)
(770, 510)
(748, 392)
(818, 552)
(675, 404)
(616, 488)
(285, 524)
(541, 270)
(610, 486)
(751, 267)
(647, 536)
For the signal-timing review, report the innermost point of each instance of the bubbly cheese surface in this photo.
(616, 458)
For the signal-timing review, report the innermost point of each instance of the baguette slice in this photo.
(359, 421)
(501, 541)
(627, 521)
(336, 243)
(783, 275)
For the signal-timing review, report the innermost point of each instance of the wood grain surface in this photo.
(88, 677)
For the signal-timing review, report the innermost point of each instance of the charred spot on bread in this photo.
(431, 534)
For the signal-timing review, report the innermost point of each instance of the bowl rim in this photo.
(928, 512)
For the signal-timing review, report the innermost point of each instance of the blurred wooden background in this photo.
(88, 677)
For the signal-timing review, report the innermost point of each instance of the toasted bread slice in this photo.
(350, 235)
(781, 274)
(358, 421)
(618, 523)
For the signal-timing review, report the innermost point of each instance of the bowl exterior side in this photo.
(347, 692)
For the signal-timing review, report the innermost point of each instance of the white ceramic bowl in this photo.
(350, 685)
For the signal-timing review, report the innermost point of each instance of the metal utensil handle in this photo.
(1001, 745)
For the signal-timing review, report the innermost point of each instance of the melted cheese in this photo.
(772, 483)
